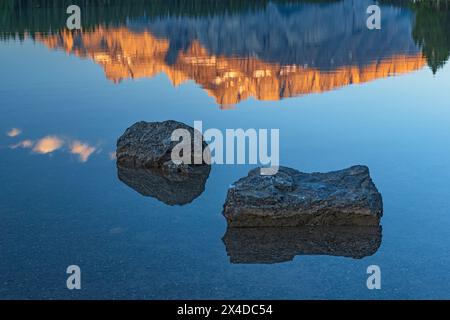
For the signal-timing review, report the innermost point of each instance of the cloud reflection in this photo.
(23, 144)
(52, 143)
(83, 150)
(14, 132)
(48, 144)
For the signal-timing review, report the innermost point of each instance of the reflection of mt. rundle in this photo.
(269, 54)
(319, 36)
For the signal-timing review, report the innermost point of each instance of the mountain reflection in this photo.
(228, 79)
(272, 51)
(273, 245)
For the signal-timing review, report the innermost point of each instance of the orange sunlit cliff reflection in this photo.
(124, 54)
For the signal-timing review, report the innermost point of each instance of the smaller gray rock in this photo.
(149, 145)
(292, 198)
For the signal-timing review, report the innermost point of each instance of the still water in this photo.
(339, 93)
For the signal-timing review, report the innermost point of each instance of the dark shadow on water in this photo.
(274, 245)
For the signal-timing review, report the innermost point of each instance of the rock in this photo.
(292, 198)
(273, 245)
(149, 145)
(144, 163)
(170, 188)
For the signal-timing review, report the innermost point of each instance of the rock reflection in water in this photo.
(272, 245)
(168, 187)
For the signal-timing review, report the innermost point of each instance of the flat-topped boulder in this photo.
(292, 198)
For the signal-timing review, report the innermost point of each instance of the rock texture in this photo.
(149, 145)
(292, 198)
(273, 245)
(144, 163)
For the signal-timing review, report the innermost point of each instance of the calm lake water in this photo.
(339, 93)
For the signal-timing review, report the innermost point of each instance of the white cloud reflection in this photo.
(23, 144)
(48, 144)
(14, 132)
(112, 155)
(83, 150)
(52, 143)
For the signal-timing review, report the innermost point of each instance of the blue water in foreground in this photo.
(67, 206)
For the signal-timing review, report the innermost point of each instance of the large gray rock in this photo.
(144, 163)
(273, 245)
(292, 198)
